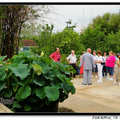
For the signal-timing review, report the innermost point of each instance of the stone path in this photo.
(4, 109)
(102, 97)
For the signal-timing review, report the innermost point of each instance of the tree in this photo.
(12, 18)
(67, 40)
(113, 42)
(93, 38)
(43, 39)
(47, 41)
(103, 33)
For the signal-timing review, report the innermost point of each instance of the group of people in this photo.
(93, 65)
(71, 59)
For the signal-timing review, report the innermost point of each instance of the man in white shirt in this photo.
(72, 60)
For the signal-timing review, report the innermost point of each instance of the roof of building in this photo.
(29, 43)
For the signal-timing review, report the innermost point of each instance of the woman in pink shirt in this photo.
(110, 63)
(56, 55)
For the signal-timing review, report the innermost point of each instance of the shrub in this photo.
(34, 81)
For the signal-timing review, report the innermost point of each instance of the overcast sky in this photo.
(81, 15)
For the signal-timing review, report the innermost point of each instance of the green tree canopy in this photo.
(103, 33)
(66, 40)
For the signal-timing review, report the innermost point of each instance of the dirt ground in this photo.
(99, 97)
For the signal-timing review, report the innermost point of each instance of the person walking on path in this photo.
(88, 64)
(99, 62)
(56, 56)
(72, 60)
(110, 63)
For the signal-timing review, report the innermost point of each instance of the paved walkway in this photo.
(102, 97)
(4, 109)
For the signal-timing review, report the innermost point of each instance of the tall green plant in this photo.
(66, 40)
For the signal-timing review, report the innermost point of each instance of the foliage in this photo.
(66, 40)
(43, 40)
(113, 42)
(93, 38)
(12, 20)
(34, 81)
(103, 33)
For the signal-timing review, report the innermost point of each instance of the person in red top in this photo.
(56, 55)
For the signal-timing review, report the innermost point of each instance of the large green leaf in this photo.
(2, 74)
(18, 59)
(40, 93)
(27, 107)
(50, 75)
(20, 70)
(2, 85)
(52, 93)
(2, 58)
(37, 68)
(39, 82)
(25, 82)
(45, 68)
(68, 87)
(16, 105)
(23, 93)
(61, 77)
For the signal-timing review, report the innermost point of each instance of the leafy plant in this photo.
(103, 33)
(34, 82)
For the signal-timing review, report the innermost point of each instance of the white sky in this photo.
(81, 15)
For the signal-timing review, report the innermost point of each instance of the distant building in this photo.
(27, 44)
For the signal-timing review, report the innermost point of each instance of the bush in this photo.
(34, 82)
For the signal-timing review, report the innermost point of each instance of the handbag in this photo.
(103, 63)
